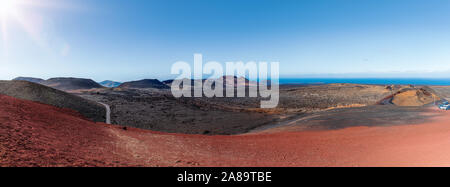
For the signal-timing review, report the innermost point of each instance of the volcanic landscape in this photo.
(61, 122)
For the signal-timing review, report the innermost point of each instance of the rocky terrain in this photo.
(319, 97)
(304, 112)
(314, 125)
(156, 109)
(34, 134)
(149, 104)
(443, 91)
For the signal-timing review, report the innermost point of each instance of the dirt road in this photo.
(108, 113)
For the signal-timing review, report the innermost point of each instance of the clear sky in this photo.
(134, 39)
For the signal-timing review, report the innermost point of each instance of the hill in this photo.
(29, 79)
(233, 80)
(35, 134)
(412, 97)
(110, 84)
(67, 84)
(145, 83)
(43, 94)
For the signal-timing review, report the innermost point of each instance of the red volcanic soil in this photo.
(33, 134)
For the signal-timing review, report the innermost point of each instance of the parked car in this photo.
(445, 107)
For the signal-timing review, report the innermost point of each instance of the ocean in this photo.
(377, 81)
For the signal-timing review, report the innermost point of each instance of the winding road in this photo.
(108, 112)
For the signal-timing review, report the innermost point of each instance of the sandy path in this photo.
(108, 112)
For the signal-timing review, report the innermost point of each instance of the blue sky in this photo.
(134, 39)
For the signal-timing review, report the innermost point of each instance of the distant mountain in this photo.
(110, 84)
(233, 80)
(50, 96)
(68, 84)
(64, 83)
(168, 82)
(146, 83)
(227, 80)
(29, 79)
(193, 82)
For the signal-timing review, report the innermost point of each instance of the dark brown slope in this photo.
(67, 84)
(145, 83)
(43, 94)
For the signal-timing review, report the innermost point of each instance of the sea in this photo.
(374, 81)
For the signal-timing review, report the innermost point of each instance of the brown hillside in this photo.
(414, 97)
(43, 94)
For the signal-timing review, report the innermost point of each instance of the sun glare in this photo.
(7, 7)
(24, 13)
(13, 12)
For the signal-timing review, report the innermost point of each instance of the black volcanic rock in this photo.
(67, 84)
(29, 79)
(146, 83)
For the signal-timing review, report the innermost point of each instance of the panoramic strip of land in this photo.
(63, 122)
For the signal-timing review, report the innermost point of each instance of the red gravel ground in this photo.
(33, 134)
